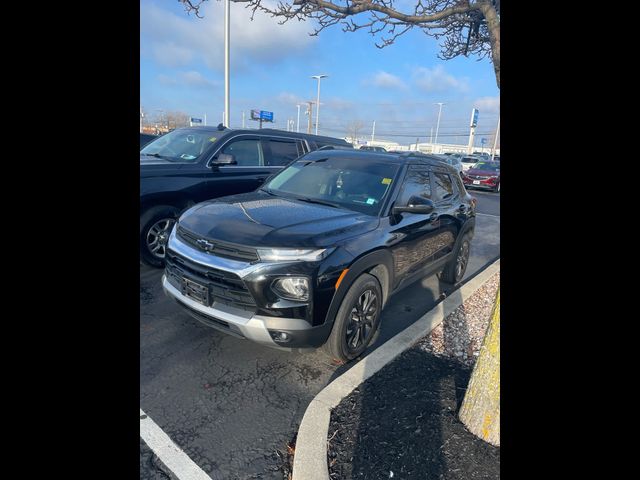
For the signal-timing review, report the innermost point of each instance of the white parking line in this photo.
(487, 215)
(168, 452)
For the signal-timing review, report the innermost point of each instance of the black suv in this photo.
(311, 258)
(190, 165)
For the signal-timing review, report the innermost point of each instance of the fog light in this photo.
(280, 337)
(292, 288)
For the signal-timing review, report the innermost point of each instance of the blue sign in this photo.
(196, 120)
(474, 119)
(268, 116)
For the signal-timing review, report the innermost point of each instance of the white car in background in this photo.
(452, 160)
(468, 161)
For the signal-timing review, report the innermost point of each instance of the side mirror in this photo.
(224, 159)
(417, 205)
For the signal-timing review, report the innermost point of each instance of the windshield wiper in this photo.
(319, 202)
(266, 190)
(157, 155)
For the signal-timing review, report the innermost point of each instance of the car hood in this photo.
(153, 167)
(487, 173)
(258, 219)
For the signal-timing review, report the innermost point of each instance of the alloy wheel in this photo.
(158, 236)
(462, 260)
(361, 321)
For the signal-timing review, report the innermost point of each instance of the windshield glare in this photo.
(487, 166)
(182, 145)
(353, 184)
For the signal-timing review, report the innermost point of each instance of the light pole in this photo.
(495, 139)
(298, 122)
(318, 77)
(227, 13)
(161, 117)
(438, 124)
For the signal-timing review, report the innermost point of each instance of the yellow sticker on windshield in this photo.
(386, 181)
(212, 139)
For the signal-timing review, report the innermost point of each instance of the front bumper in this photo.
(482, 184)
(236, 313)
(242, 324)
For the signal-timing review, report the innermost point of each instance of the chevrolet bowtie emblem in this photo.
(204, 244)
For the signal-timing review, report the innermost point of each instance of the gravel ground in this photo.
(402, 423)
(459, 336)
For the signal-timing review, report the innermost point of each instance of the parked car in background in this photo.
(311, 258)
(193, 164)
(468, 161)
(371, 148)
(146, 138)
(483, 175)
(450, 160)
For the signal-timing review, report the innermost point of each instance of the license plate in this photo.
(195, 291)
(476, 182)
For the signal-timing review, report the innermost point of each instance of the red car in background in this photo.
(483, 175)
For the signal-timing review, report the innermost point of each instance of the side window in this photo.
(283, 152)
(248, 153)
(416, 183)
(443, 187)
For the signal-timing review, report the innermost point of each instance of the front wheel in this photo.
(357, 320)
(155, 227)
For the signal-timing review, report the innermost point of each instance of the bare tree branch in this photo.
(466, 27)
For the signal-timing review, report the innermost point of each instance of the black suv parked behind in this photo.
(190, 165)
(311, 258)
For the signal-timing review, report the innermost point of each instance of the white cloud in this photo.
(178, 39)
(192, 79)
(386, 80)
(438, 80)
(196, 79)
(289, 98)
(487, 104)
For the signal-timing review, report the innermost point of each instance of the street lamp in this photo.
(298, 123)
(438, 124)
(227, 113)
(318, 77)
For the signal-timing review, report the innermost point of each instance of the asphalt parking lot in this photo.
(232, 405)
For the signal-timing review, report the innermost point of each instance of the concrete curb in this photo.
(310, 460)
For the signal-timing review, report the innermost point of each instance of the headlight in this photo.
(292, 288)
(293, 254)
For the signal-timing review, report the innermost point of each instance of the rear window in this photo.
(443, 187)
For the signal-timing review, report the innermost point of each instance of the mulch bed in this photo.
(402, 423)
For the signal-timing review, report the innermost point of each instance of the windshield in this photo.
(354, 184)
(183, 145)
(469, 160)
(494, 166)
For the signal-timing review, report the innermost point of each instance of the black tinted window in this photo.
(416, 184)
(247, 153)
(443, 186)
(283, 152)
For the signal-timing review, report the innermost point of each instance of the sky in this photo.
(182, 69)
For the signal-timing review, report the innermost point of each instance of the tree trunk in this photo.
(480, 411)
(493, 25)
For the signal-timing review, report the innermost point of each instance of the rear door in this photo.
(281, 151)
(448, 201)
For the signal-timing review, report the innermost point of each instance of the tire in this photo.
(349, 324)
(497, 188)
(455, 269)
(155, 226)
